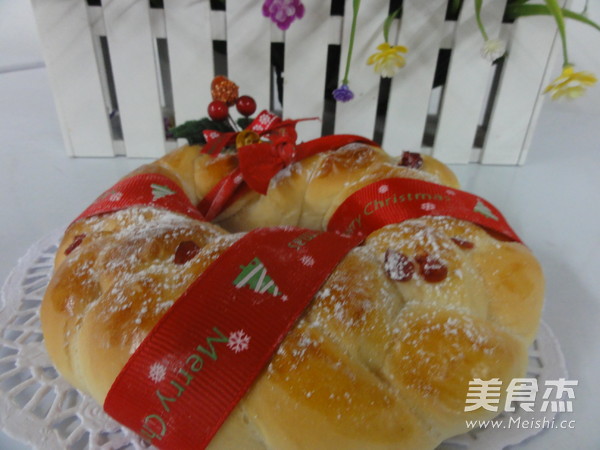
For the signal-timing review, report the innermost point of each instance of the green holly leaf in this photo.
(244, 122)
(192, 130)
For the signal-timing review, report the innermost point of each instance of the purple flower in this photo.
(343, 93)
(283, 12)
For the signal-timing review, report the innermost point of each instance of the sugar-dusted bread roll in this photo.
(376, 361)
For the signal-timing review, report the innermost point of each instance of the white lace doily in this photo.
(39, 407)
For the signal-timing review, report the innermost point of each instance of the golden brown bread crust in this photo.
(373, 363)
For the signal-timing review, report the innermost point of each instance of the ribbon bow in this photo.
(265, 124)
(260, 161)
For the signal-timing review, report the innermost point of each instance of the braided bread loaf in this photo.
(376, 361)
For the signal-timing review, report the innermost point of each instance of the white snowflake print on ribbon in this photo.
(308, 261)
(428, 206)
(263, 121)
(450, 192)
(157, 372)
(238, 341)
(266, 119)
(383, 189)
(115, 196)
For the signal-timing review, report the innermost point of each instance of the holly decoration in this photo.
(218, 110)
(223, 89)
(192, 130)
(245, 105)
(225, 94)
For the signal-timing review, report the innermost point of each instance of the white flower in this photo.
(493, 49)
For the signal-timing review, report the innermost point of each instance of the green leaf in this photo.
(388, 23)
(244, 122)
(192, 130)
(515, 11)
(556, 11)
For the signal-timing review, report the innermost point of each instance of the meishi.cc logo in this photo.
(557, 395)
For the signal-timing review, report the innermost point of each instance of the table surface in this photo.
(551, 202)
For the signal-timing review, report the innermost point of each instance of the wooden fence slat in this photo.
(68, 48)
(422, 31)
(467, 83)
(70, 34)
(305, 66)
(520, 94)
(249, 50)
(190, 56)
(131, 46)
(358, 115)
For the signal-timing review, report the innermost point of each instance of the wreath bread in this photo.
(382, 357)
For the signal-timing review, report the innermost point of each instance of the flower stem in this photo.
(556, 11)
(355, 7)
(479, 21)
(388, 23)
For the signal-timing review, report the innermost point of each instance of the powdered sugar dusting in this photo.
(131, 260)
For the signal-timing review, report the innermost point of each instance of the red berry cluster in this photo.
(225, 94)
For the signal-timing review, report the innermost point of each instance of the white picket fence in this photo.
(117, 105)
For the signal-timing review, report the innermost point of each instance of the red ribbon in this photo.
(395, 200)
(196, 364)
(200, 359)
(148, 189)
(265, 124)
(260, 162)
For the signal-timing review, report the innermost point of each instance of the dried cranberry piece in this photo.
(463, 243)
(77, 240)
(411, 160)
(431, 268)
(186, 250)
(397, 266)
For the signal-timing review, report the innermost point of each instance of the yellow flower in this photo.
(388, 60)
(570, 84)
